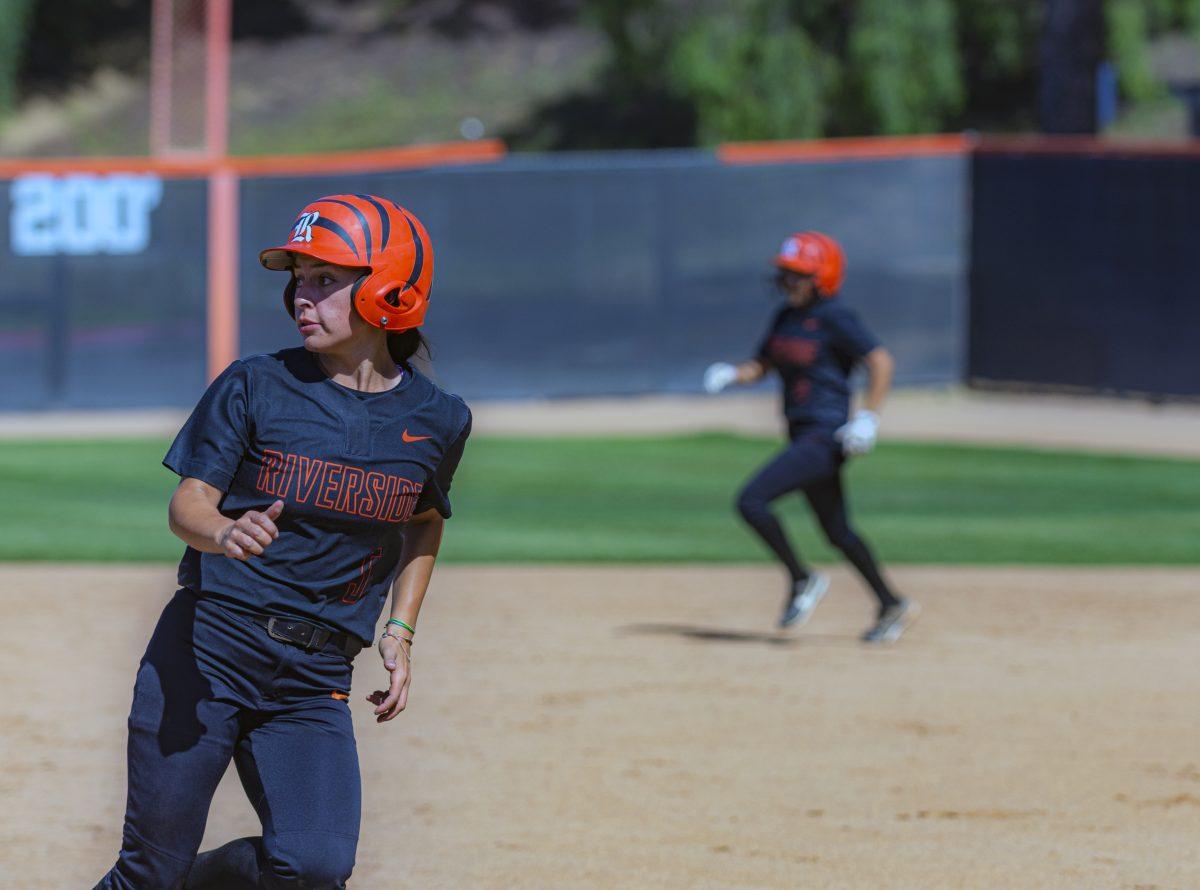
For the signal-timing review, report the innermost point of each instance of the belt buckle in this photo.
(299, 633)
(289, 631)
(277, 634)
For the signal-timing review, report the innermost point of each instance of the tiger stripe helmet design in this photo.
(371, 233)
(815, 254)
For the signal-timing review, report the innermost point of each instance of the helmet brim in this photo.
(794, 264)
(282, 258)
(279, 259)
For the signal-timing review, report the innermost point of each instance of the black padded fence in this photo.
(556, 275)
(102, 291)
(610, 274)
(1084, 272)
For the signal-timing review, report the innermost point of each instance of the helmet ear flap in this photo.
(386, 303)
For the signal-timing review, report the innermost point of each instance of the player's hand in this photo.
(251, 534)
(718, 376)
(858, 436)
(397, 661)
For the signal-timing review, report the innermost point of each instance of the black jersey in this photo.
(351, 468)
(814, 349)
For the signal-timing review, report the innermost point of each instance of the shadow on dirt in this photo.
(724, 635)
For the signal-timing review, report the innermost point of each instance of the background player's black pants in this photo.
(214, 687)
(812, 463)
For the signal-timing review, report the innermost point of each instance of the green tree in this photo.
(906, 75)
(14, 18)
(752, 75)
(1128, 29)
(1131, 26)
(640, 34)
(767, 69)
(997, 41)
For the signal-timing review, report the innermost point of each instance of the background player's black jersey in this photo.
(814, 349)
(351, 468)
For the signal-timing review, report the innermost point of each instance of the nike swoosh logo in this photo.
(407, 438)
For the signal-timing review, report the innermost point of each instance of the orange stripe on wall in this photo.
(185, 166)
(488, 150)
(856, 148)
(436, 155)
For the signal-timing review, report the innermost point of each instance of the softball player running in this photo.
(814, 342)
(313, 480)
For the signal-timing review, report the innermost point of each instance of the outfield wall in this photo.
(557, 275)
(102, 291)
(1085, 267)
(621, 273)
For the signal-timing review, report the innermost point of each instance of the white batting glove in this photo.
(858, 436)
(718, 376)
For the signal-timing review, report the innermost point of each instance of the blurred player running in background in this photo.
(814, 343)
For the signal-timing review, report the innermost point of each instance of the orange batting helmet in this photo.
(373, 234)
(815, 254)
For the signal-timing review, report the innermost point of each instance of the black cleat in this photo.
(892, 622)
(805, 596)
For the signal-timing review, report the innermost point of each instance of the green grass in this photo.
(664, 499)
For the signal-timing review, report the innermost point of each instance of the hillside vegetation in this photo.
(313, 75)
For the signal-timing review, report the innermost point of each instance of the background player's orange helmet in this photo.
(371, 233)
(815, 254)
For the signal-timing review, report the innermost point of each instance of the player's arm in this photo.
(859, 434)
(881, 368)
(750, 371)
(422, 538)
(194, 519)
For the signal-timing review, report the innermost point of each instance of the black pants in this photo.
(812, 463)
(214, 687)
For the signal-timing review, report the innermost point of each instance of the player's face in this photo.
(325, 312)
(800, 290)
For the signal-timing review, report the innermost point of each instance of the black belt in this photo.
(307, 636)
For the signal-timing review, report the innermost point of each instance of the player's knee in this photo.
(751, 505)
(144, 866)
(841, 537)
(313, 860)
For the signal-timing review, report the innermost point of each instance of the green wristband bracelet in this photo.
(408, 627)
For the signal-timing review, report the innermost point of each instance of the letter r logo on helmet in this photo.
(378, 236)
(303, 230)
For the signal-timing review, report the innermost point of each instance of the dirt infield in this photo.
(642, 727)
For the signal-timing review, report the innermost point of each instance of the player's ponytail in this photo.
(403, 345)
